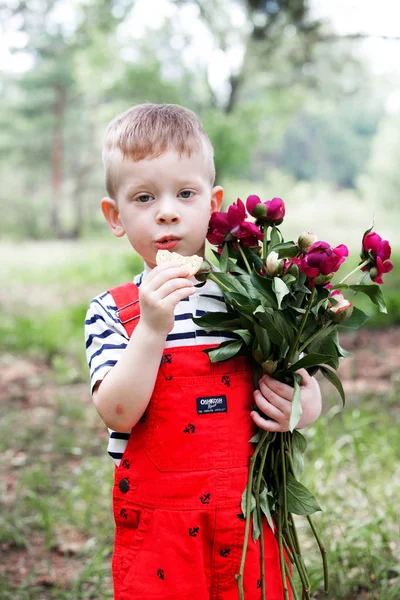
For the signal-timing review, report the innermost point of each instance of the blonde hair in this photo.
(148, 130)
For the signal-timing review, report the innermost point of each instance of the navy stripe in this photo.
(183, 317)
(105, 334)
(108, 363)
(181, 336)
(107, 347)
(115, 455)
(103, 295)
(107, 311)
(117, 435)
(93, 319)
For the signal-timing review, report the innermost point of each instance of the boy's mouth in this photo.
(167, 242)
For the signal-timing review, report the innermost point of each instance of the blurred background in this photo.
(301, 99)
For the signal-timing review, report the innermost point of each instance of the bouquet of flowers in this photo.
(286, 315)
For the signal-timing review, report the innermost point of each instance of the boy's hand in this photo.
(160, 292)
(274, 399)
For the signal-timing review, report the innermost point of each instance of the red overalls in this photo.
(178, 488)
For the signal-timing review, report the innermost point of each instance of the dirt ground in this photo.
(373, 369)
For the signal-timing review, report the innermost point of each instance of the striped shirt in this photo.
(106, 338)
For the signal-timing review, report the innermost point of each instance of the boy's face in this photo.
(163, 203)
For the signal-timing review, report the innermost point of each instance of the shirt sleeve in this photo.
(105, 337)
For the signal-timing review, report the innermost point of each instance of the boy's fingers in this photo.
(160, 275)
(305, 375)
(171, 286)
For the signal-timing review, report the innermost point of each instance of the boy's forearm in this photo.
(123, 395)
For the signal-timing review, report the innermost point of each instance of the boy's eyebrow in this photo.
(180, 181)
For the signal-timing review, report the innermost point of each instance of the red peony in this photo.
(378, 251)
(271, 212)
(322, 261)
(232, 226)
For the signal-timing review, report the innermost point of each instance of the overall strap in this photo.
(126, 298)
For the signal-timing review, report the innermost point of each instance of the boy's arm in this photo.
(123, 395)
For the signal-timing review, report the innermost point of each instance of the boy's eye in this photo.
(143, 198)
(186, 194)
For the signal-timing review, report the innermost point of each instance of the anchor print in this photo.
(161, 574)
(166, 359)
(190, 428)
(225, 552)
(126, 464)
(123, 513)
(193, 531)
(225, 380)
(205, 499)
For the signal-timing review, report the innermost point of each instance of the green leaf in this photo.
(286, 249)
(275, 239)
(256, 437)
(218, 320)
(263, 340)
(224, 258)
(309, 360)
(298, 445)
(280, 288)
(357, 318)
(256, 526)
(373, 291)
(244, 502)
(264, 285)
(225, 351)
(300, 501)
(264, 505)
(245, 335)
(334, 379)
(297, 409)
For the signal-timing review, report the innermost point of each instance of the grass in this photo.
(54, 445)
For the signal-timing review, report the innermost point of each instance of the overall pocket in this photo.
(200, 423)
(132, 526)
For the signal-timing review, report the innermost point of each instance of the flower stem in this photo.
(244, 258)
(248, 512)
(293, 347)
(258, 485)
(221, 285)
(323, 554)
(360, 266)
(265, 244)
(313, 336)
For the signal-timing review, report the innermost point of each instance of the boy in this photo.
(181, 472)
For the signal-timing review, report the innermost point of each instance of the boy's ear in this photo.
(110, 211)
(217, 196)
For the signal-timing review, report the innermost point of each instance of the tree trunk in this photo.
(57, 152)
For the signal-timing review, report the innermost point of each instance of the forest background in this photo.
(301, 100)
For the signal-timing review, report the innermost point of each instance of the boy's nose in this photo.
(167, 213)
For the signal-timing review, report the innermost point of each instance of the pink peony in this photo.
(271, 212)
(379, 251)
(322, 261)
(232, 226)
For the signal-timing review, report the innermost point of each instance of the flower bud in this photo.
(322, 279)
(341, 309)
(274, 264)
(269, 366)
(259, 211)
(306, 240)
(294, 270)
(373, 273)
(340, 314)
